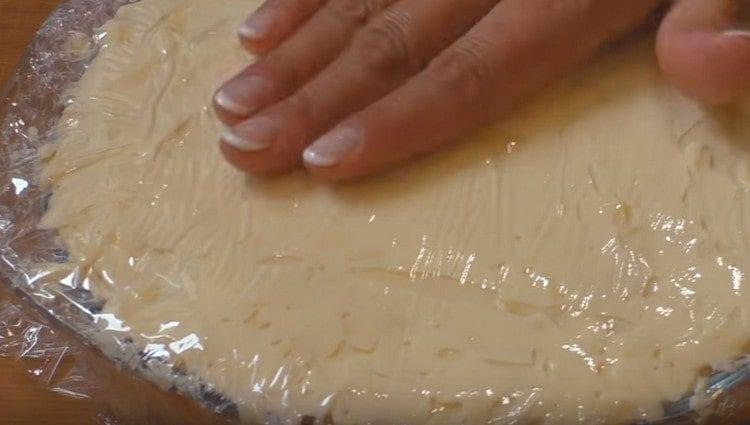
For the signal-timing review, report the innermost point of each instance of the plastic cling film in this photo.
(529, 283)
(30, 107)
(69, 366)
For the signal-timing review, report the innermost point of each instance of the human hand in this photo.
(351, 87)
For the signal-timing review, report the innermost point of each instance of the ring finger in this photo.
(393, 47)
(318, 42)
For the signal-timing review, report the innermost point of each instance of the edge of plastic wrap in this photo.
(33, 313)
(30, 105)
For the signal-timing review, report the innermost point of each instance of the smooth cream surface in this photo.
(583, 260)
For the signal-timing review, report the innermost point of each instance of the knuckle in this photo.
(576, 5)
(384, 45)
(314, 4)
(355, 12)
(462, 70)
(302, 107)
(376, 6)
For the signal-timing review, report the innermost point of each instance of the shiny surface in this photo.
(91, 389)
(585, 259)
(21, 395)
(24, 401)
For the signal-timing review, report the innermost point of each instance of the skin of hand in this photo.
(353, 87)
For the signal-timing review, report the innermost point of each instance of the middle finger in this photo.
(393, 47)
(319, 41)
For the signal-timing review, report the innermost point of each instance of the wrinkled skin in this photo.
(352, 87)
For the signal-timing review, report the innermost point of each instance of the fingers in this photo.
(274, 21)
(704, 48)
(513, 51)
(312, 47)
(393, 47)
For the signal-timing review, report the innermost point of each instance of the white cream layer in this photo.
(584, 259)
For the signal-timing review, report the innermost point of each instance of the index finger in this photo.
(517, 48)
(274, 21)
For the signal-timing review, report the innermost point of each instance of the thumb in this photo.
(704, 48)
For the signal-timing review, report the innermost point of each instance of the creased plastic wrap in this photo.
(71, 277)
(71, 367)
(29, 109)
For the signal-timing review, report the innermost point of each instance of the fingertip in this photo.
(269, 143)
(712, 67)
(228, 111)
(244, 144)
(335, 174)
(255, 43)
(268, 26)
(259, 31)
(251, 164)
(346, 154)
(243, 96)
(264, 162)
(702, 54)
(333, 148)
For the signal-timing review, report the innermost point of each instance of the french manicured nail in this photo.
(242, 144)
(244, 95)
(257, 26)
(741, 25)
(738, 33)
(333, 147)
(251, 136)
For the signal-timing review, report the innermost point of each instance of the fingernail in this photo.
(257, 26)
(244, 95)
(333, 147)
(737, 33)
(741, 25)
(242, 144)
(251, 136)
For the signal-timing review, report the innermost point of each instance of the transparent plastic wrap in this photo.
(67, 365)
(116, 229)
